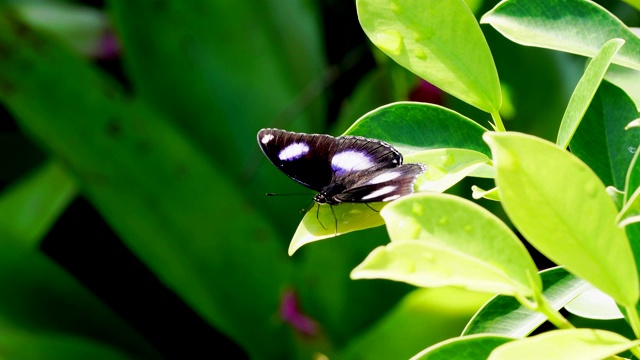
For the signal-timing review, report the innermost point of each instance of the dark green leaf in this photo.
(414, 127)
(601, 140)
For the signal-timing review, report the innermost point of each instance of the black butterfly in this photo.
(342, 169)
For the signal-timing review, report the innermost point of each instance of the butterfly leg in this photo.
(318, 216)
(335, 218)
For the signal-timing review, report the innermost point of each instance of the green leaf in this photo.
(440, 240)
(463, 348)
(410, 325)
(323, 221)
(449, 50)
(585, 90)
(632, 124)
(565, 344)
(29, 207)
(632, 184)
(413, 127)
(630, 213)
(626, 79)
(505, 315)
(446, 167)
(28, 278)
(403, 125)
(575, 26)
(159, 193)
(15, 345)
(541, 189)
(213, 65)
(594, 304)
(478, 193)
(81, 27)
(634, 3)
(601, 140)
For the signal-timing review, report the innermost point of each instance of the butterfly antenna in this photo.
(293, 194)
(369, 206)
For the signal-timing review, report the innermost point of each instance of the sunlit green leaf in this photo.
(491, 194)
(585, 90)
(505, 315)
(463, 348)
(422, 318)
(324, 221)
(594, 304)
(449, 50)
(562, 209)
(588, 344)
(632, 124)
(634, 3)
(440, 239)
(446, 167)
(575, 26)
(626, 79)
(630, 213)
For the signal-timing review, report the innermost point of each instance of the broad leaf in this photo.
(151, 184)
(411, 127)
(594, 304)
(587, 344)
(440, 239)
(31, 206)
(561, 207)
(575, 26)
(626, 79)
(18, 345)
(463, 348)
(601, 140)
(449, 50)
(505, 315)
(585, 90)
(324, 221)
(410, 325)
(630, 213)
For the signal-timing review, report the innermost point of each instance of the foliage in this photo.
(168, 159)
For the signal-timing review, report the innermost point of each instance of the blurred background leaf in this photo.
(133, 218)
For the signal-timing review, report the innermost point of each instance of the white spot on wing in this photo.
(350, 160)
(266, 138)
(384, 177)
(392, 197)
(293, 151)
(383, 191)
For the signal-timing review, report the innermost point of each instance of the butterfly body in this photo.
(341, 169)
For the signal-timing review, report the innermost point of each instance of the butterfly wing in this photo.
(355, 154)
(380, 185)
(303, 157)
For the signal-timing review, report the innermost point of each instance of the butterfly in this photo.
(343, 169)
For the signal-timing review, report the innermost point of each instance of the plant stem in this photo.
(634, 321)
(498, 121)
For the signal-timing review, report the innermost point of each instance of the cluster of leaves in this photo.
(580, 208)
